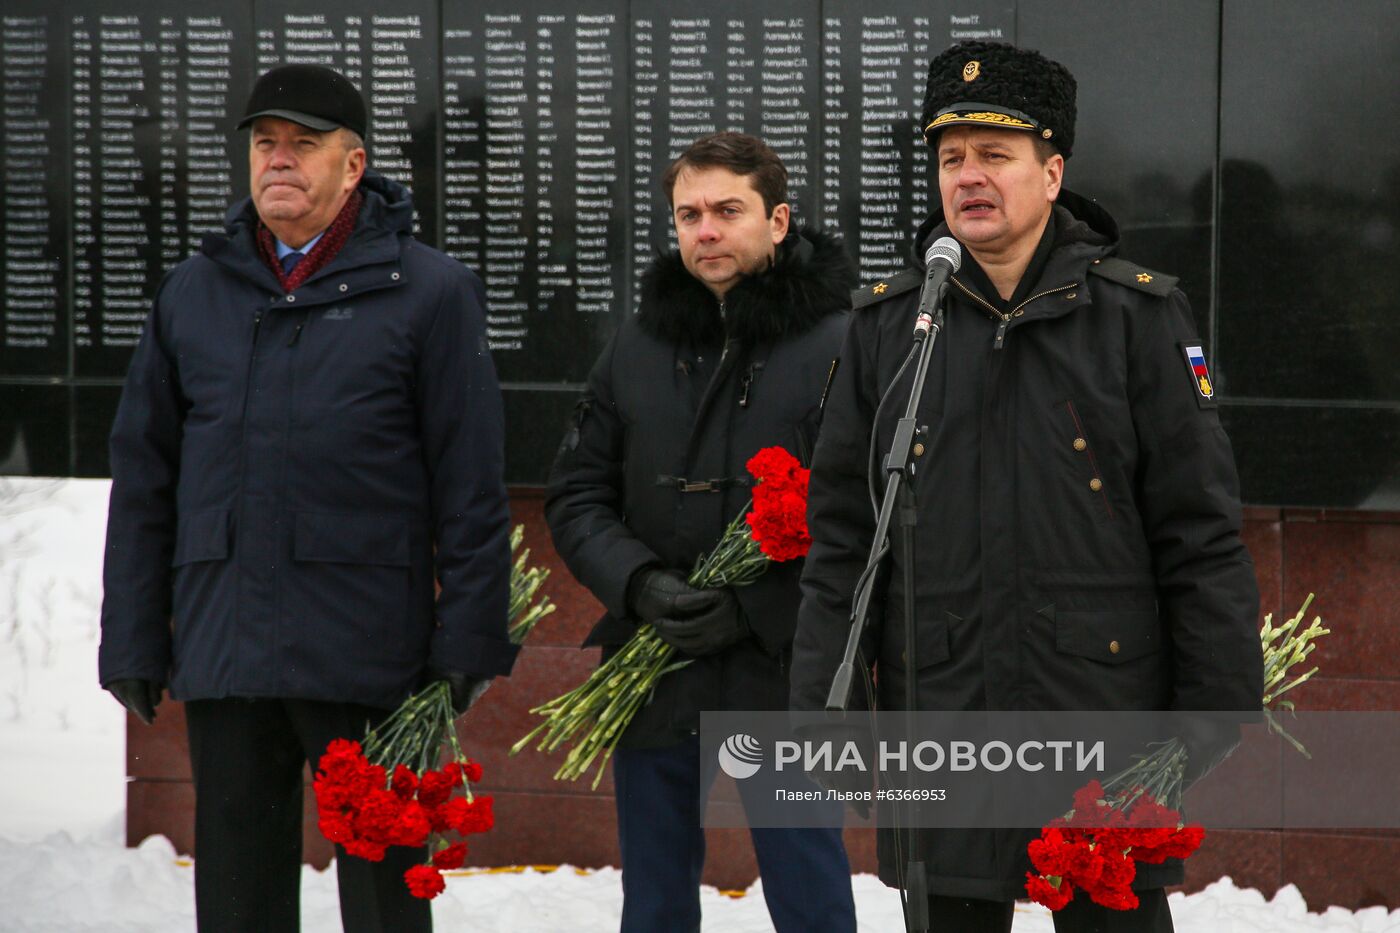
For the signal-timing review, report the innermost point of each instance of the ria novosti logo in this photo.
(740, 756)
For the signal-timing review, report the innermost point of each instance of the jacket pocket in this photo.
(337, 538)
(1107, 636)
(201, 536)
(1089, 472)
(350, 590)
(933, 640)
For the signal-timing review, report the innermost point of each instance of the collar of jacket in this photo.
(1083, 232)
(1079, 224)
(368, 260)
(811, 277)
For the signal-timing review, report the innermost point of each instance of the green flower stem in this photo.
(594, 714)
(414, 734)
(1159, 773)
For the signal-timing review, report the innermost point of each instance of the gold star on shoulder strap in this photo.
(1144, 278)
(879, 289)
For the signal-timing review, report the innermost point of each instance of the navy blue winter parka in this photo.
(292, 472)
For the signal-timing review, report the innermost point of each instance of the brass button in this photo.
(1079, 443)
(1095, 484)
(1113, 646)
(918, 450)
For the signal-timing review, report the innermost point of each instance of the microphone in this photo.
(943, 258)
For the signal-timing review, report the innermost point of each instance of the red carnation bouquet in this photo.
(368, 799)
(1096, 847)
(597, 711)
(386, 792)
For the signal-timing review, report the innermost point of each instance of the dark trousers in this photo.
(247, 757)
(660, 793)
(1081, 915)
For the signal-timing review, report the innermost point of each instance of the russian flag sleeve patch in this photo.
(1195, 357)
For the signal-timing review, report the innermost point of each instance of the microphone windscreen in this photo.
(947, 249)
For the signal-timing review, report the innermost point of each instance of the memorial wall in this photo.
(1249, 147)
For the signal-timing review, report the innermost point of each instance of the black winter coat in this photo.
(682, 394)
(1078, 540)
(288, 470)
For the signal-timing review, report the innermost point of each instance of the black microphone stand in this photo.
(899, 493)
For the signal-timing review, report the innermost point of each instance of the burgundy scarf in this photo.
(323, 252)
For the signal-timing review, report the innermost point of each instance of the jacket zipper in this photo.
(243, 445)
(248, 377)
(1005, 316)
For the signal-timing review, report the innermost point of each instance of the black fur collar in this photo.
(811, 278)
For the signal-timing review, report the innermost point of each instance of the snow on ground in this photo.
(63, 868)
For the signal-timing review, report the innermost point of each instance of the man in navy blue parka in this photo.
(310, 437)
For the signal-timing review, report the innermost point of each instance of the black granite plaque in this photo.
(35, 421)
(1309, 222)
(728, 65)
(876, 181)
(534, 135)
(534, 157)
(390, 52)
(33, 191)
(154, 90)
(1145, 137)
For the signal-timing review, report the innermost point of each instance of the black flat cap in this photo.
(313, 96)
(995, 84)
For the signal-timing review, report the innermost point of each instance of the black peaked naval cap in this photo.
(999, 85)
(313, 96)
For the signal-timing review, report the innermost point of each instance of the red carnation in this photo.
(377, 814)
(424, 881)
(404, 783)
(336, 827)
(366, 849)
(451, 857)
(466, 818)
(774, 465)
(778, 522)
(412, 826)
(1043, 892)
(435, 786)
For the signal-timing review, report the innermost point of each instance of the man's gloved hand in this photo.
(706, 632)
(848, 780)
(141, 697)
(466, 689)
(655, 593)
(1209, 740)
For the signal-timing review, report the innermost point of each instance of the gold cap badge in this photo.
(971, 70)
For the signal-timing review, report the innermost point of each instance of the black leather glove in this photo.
(466, 689)
(655, 593)
(141, 697)
(1209, 740)
(706, 632)
(848, 780)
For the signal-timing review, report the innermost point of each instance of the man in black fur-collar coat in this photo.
(732, 347)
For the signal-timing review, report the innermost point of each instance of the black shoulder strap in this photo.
(898, 284)
(1133, 276)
